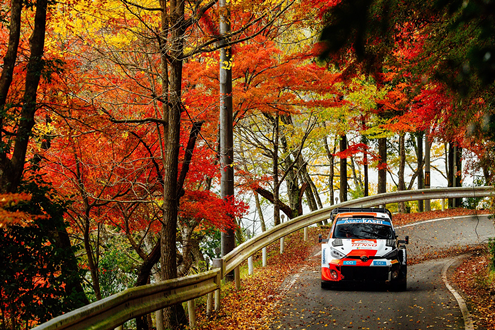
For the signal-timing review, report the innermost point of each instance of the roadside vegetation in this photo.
(476, 279)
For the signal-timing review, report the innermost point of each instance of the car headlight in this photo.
(391, 242)
(392, 254)
(336, 254)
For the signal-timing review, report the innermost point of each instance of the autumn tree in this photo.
(39, 274)
(451, 48)
(159, 41)
(27, 70)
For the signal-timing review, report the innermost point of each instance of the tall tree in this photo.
(343, 169)
(382, 165)
(226, 125)
(18, 124)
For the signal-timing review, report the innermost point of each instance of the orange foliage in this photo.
(14, 218)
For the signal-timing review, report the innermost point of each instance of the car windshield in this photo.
(363, 229)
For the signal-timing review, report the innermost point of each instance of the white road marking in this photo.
(468, 321)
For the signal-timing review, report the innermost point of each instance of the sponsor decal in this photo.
(379, 263)
(323, 254)
(349, 263)
(373, 221)
(364, 244)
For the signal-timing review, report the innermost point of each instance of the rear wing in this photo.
(338, 210)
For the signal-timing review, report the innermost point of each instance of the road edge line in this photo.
(468, 321)
(441, 219)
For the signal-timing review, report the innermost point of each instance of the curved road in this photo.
(427, 303)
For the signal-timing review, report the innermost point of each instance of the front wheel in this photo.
(401, 284)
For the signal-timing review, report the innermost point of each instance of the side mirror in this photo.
(404, 241)
(321, 239)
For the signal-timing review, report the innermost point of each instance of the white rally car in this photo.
(362, 246)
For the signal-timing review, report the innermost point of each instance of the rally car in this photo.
(362, 246)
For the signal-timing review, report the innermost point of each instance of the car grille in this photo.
(369, 257)
(365, 273)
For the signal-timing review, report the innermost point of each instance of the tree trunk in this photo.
(92, 264)
(331, 174)
(293, 190)
(304, 177)
(226, 128)
(283, 207)
(420, 168)
(343, 170)
(427, 169)
(458, 172)
(356, 177)
(382, 165)
(11, 170)
(402, 167)
(174, 316)
(260, 212)
(449, 148)
(6, 78)
(276, 183)
(291, 177)
(365, 168)
(61, 239)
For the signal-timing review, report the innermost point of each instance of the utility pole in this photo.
(226, 126)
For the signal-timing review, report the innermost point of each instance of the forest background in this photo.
(109, 129)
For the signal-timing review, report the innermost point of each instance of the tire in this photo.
(326, 285)
(401, 285)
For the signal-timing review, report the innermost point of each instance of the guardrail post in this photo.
(250, 265)
(305, 234)
(217, 300)
(443, 204)
(120, 327)
(218, 263)
(159, 319)
(191, 311)
(209, 303)
(281, 245)
(237, 278)
(263, 256)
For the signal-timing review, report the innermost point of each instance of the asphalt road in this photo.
(427, 303)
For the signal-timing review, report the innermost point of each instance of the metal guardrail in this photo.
(134, 302)
(115, 310)
(248, 248)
